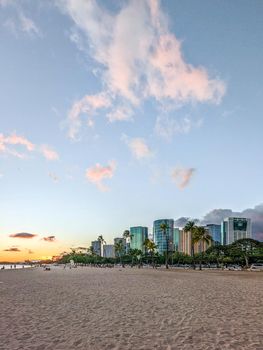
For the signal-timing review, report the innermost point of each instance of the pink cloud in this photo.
(138, 147)
(148, 65)
(49, 153)
(89, 104)
(182, 176)
(98, 173)
(8, 144)
(120, 113)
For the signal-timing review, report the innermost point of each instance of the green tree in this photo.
(164, 227)
(119, 250)
(190, 228)
(200, 234)
(217, 253)
(150, 247)
(245, 248)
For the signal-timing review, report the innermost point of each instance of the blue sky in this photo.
(114, 114)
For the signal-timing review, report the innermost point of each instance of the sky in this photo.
(117, 113)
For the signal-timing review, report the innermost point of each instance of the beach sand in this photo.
(92, 308)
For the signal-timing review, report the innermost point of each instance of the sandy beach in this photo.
(93, 308)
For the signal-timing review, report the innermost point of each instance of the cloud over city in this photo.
(216, 216)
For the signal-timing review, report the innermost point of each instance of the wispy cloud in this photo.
(49, 153)
(49, 239)
(21, 147)
(28, 25)
(88, 105)
(120, 113)
(15, 140)
(19, 22)
(25, 235)
(182, 176)
(148, 65)
(167, 126)
(138, 147)
(98, 173)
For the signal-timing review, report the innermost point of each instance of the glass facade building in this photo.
(138, 235)
(215, 232)
(160, 238)
(176, 239)
(233, 229)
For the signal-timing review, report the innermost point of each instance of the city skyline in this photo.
(99, 133)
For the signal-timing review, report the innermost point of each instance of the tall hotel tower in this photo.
(233, 229)
(160, 239)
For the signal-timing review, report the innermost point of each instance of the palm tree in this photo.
(127, 236)
(190, 227)
(102, 241)
(150, 247)
(132, 253)
(164, 227)
(201, 234)
(119, 248)
(91, 251)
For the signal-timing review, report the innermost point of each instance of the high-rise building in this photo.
(96, 245)
(108, 251)
(185, 242)
(138, 235)
(176, 239)
(160, 238)
(215, 232)
(233, 229)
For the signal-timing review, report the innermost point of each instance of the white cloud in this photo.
(96, 174)
(182, 176)
(139, 57)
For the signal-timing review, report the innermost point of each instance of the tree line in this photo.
(242, 252)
